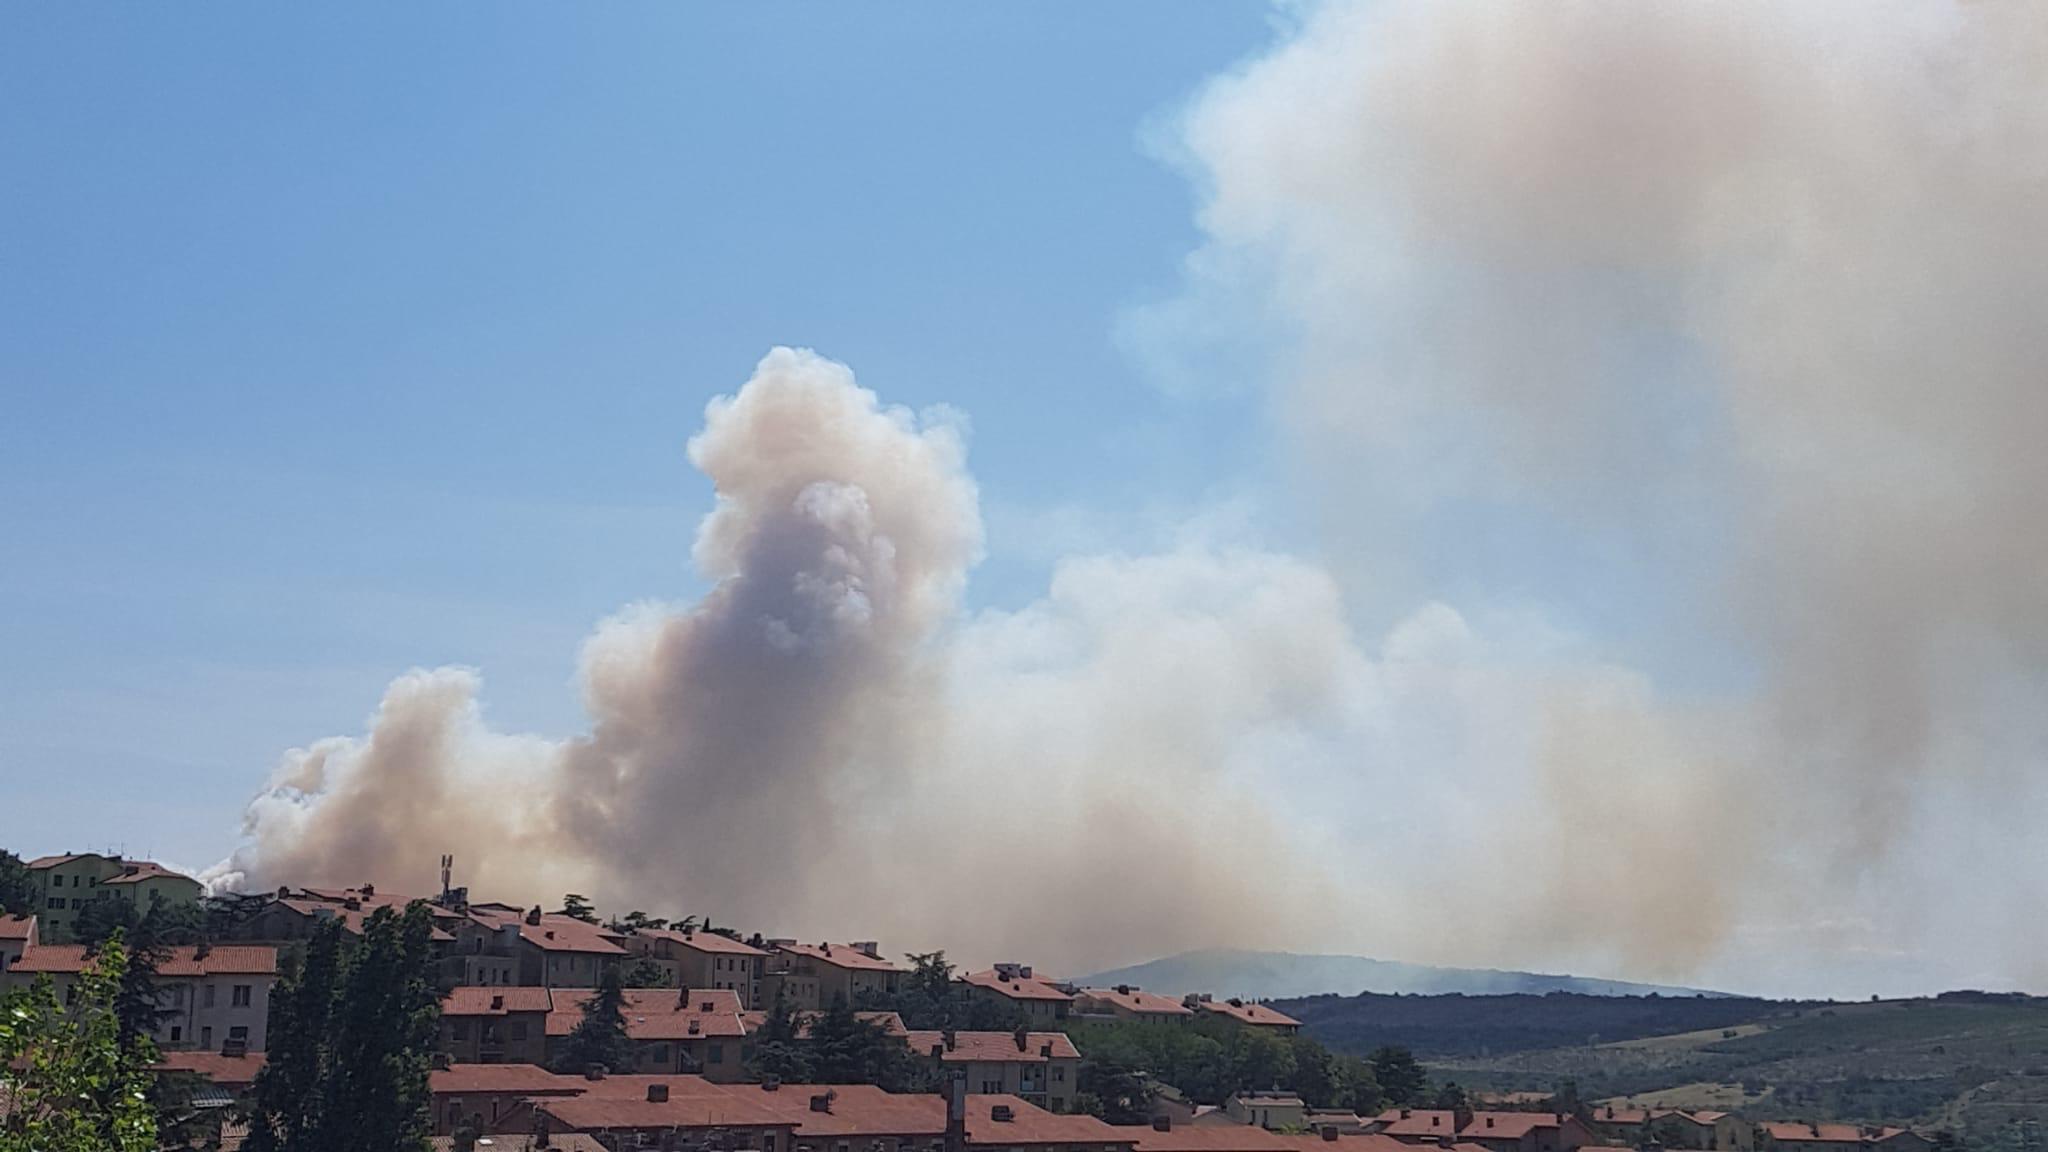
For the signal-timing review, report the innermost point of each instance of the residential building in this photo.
(811, 977)
(691, 958)
(215, 999)
(546, 949)
(1039, 1001)
(495, 1024)
(694, 1030)
(1043, 1068)
(493, 1097)
(1249, 1013)
(17, 935)
(1278, 1111)
(235, 1075)
(1494, 1131)
(66, 884)
(1804, 1137)
(1674, 1128)
(1128, 1003)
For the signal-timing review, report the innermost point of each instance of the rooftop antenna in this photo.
(447, 872)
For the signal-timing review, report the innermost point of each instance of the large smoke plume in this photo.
(1728, 310)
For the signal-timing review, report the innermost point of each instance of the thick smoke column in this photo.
(824, 744)
(1746, 299)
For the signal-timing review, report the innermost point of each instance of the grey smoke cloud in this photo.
(1749, 294)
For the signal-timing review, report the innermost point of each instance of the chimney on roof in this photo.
(203, 949)
(1489, 1121)
(938, 1049)
(822, 1101)
(771, 1083)
(352, 904)
(369, 889)
(594, 1071)
(498, 1003)
(1002, 1113)
(950, 1037)
(439, 1061)
(1023, 1039)
(1162, 1123)
(533, 914)
(657, 1093)
(1330, 1133)
(551, 933)
(1405, 1113)
(956, 1113)
(284, 891)
(1123, 989)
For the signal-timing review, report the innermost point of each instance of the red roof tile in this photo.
(1830, 1133)
(856, 1110)
(1030, 1124)
(16, 927)
(993, 1047)
(1417, 1122)
(1016, 988)
(556, 932)
(229, 960)
(703, 941)
(527, 1079)
(658, 1013)
(499, 1142)
(841, 956)
(1247, 1012)
(227, 1071)
(488, 1000)
(137, 871)
(1135, 1000)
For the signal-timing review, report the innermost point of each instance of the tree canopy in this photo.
(352, 1033)
(1210, 1060)
(600, 1037)
(68, 1082)
(17, 886)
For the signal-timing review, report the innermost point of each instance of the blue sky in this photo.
(338, 341)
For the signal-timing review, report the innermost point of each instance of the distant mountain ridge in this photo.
(1286, 975)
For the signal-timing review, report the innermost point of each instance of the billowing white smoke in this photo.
(824, 744)
(1742, 300)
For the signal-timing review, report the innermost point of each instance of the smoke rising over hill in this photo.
(1730, 309)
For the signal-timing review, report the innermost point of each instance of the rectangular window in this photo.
(239, 1032)
(56, 881)
(241, 995)
(1059, 1075)
(177, 1033)
(57, 903)
(661, 1054)
(715, 1055)
(206, 1038)
(209, 995)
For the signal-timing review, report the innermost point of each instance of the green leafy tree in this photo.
(149, 935)
(1116, 1090)
(67, 1081)
(1451, 1098)
(645, 973)
(1399, 1076)
(600, 1037)
(578, 907)
(17, 886)
(1358, 1089)
(352, 1032)
(779, 1050)
(845, 1049)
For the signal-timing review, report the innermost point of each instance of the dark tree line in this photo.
(352, 1035)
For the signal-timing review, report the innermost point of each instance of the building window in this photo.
(57, 903)
(661, 1053)
(239, 1032)
(519, 1029)
(1059, 1075)
(56, 881)
(177, 1033)
(716, 1054)
(209, 995)
(458, 1030)
(206, 1038)
(241, 998)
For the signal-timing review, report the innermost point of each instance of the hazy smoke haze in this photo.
(1734, 308)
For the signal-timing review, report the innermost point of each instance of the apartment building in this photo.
(693, 1030)
(1132, 1005)
(17, 935)
(545, 949)
(1270, 1110)
(216, 999)
(1040, 1001)
(810, 977)
(1494, 1131)
(65, 884)
(495, 1025)
(1043, 1068)
(691, 958)
(1249, 1013)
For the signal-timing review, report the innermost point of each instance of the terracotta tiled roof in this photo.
(1246, 1138)
(227, 1071)
(231, 960)
(1831, 1133)
(1016, 988)
(136, 871)
(841, 956)
(659, 1013)
(1417, 1122)
(1246, 1012)
(1030, 1124)
(494, 1000)
(559, 933)
(16, 927)
(856, 1110)
(351, 918)
(66, 858)
(621, 1102)
(1506, 1125)
(993, 1047)
(556, 1142)
(527, 1079)
(1134, 1000)
(703, 941)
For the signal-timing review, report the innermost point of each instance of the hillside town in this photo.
(730, 1041)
